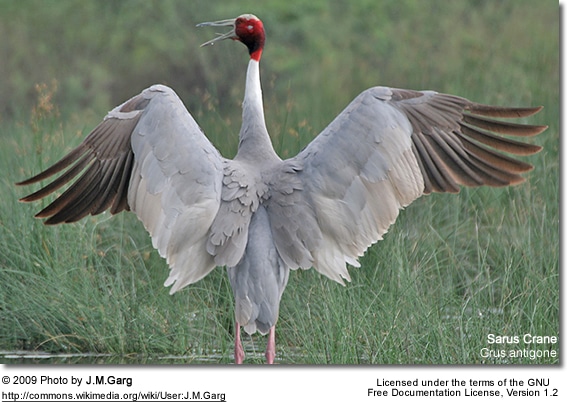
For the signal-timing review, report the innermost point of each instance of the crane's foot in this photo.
(238, 349)
(271, 347)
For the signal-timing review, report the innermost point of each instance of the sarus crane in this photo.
(261, 216)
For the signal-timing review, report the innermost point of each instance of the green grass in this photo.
(450, 271)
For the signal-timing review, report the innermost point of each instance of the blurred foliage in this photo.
(319, 54)
(64, 64)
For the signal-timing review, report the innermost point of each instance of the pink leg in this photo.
(238, 350)
(271, 347)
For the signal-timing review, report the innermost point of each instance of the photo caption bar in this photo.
(186, 383)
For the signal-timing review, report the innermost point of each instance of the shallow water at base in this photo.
(33, 357)
(30, 357)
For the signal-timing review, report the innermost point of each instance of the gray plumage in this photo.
(261, 216)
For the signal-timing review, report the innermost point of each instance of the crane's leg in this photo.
(238, 349)
(271, 347)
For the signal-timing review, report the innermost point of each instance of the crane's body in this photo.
(261, 216)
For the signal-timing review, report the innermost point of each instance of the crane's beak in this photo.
(223, 23)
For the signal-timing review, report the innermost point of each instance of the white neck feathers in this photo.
(254, 139)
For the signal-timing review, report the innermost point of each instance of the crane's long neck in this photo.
(255, 143)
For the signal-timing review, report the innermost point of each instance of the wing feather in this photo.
(387, 148)
(150, 156)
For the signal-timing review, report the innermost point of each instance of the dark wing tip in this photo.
(502, 111)
(460, 144)
(96, 172)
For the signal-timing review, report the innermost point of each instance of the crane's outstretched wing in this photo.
(388, 147)
(150, 156)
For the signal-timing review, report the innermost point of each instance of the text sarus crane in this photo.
(261, 216)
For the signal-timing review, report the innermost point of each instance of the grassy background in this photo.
(450, 271)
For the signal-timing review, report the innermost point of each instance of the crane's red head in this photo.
(248, 29)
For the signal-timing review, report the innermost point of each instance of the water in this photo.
(254, 351)
(215, 357)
